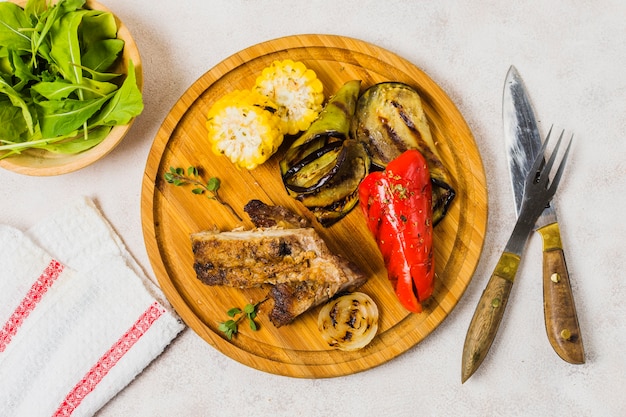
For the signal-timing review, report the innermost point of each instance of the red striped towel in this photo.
(78, 318)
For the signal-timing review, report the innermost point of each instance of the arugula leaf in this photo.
(97, 26)
(21, 71)
(125, 105)
(101, 55)
(61, 89)
(17, 101)
(65, 49)
(55, 90)
(58, 118)
(13, 20)
(34, 8)
(100, 76)
(48, 17)
(94, 89)
(13, 125)
(79, 144)
(70, 5)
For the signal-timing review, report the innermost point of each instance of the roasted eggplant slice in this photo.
(329, 215)
(389, 120)
(339, 195)
(316, 169)
(332, 125)
(324, 167)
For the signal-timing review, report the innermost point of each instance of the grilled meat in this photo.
(295, 261)
(250, 258)
(263, 215)
(295, 297)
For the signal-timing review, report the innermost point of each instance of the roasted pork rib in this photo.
(295, 261)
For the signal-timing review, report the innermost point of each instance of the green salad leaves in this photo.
(57, 91)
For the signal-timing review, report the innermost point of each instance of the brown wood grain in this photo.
(170, 214)
(39, 162)
(488, 314)
(561, 319)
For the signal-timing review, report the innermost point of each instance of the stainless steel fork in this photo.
(538, 191)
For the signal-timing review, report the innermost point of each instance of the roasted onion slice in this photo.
(349, 322)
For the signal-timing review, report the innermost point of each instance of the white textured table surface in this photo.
(572, 56)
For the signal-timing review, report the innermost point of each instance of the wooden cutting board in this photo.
(170, 214)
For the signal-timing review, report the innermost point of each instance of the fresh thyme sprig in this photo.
(176, 176)
(231, 327)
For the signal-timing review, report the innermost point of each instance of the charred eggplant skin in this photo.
(339, 196)
(443, 194)
(315, 169)
(389, 120)
(324, 167)
(332, 125)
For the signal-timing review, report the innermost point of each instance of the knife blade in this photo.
(523, 142)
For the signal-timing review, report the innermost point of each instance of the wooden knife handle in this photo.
(558, 301)
(488, 314)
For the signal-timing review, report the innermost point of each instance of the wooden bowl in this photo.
(38, 162)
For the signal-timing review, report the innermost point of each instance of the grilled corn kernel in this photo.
(243, 126)
(296, 90)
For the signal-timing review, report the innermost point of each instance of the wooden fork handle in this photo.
(488, 314)
(558, 301)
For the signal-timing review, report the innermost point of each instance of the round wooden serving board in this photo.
(170, 214)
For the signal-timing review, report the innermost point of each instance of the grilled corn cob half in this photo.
(243, 126)
(296, 90)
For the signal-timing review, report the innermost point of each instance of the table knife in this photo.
(523, 142)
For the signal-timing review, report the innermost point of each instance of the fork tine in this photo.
(548, 166)
(537, 165)
(561, 168)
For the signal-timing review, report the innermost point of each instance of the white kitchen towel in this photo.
(78, 318)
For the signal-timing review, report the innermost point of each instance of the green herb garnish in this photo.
(55, 89)
(231, 327)
(176, 176)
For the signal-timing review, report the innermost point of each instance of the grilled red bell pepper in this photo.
(397, 204)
